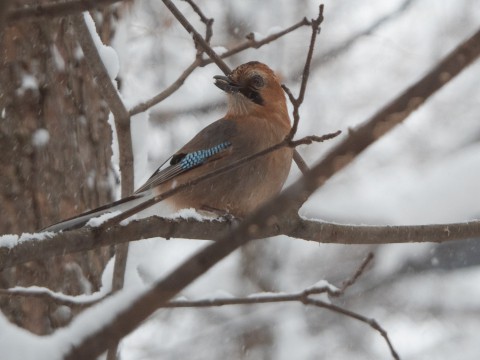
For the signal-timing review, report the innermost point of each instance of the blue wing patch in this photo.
(181, 163)
(198, 157)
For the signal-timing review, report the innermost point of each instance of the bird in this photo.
(256, 118)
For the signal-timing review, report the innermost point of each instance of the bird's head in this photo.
(253, 89)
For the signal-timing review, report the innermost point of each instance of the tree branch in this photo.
(49, 296)
(85, 239)
(144, 106)
(297, 102)
(122, 125)
(111, 96)
(56, 9)
(199, 40)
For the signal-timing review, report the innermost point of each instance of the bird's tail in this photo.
(82, 219)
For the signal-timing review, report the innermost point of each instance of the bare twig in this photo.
(207, 21)
(56, 9)
(302, 165)
(167, 92)
(251, 42)
(361, 269)
(371, 322)
(297, 102)
(197, 37)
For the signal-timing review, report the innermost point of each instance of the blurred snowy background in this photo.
(425, 171)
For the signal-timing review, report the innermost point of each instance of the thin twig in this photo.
(251, 43)
(302, 165)
(371, 322)
(207, 21)
(197, 37)
(361, 269)
(56, 9)
(297, 102)
(167, 92)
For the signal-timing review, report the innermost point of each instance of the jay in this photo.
(257, 118)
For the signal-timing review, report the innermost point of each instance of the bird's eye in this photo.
(257, 81)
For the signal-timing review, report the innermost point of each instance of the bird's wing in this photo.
(208, 145)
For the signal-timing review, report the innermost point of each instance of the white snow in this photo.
(107, 53)
(10, 240)
(99, 220)
(324, 284)
(29, 82)
(58, 58)
(40, 138)
(191, 213)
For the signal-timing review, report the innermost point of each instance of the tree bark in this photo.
(55, 145)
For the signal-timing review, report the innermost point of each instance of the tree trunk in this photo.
(56, 156)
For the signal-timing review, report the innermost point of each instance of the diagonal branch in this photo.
(275, 211)
(207, 21)
(387, 118)
(122, 126)
(111, 96)
(197, 37)
(144, 106)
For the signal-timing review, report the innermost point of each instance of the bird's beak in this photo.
(226, 84)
